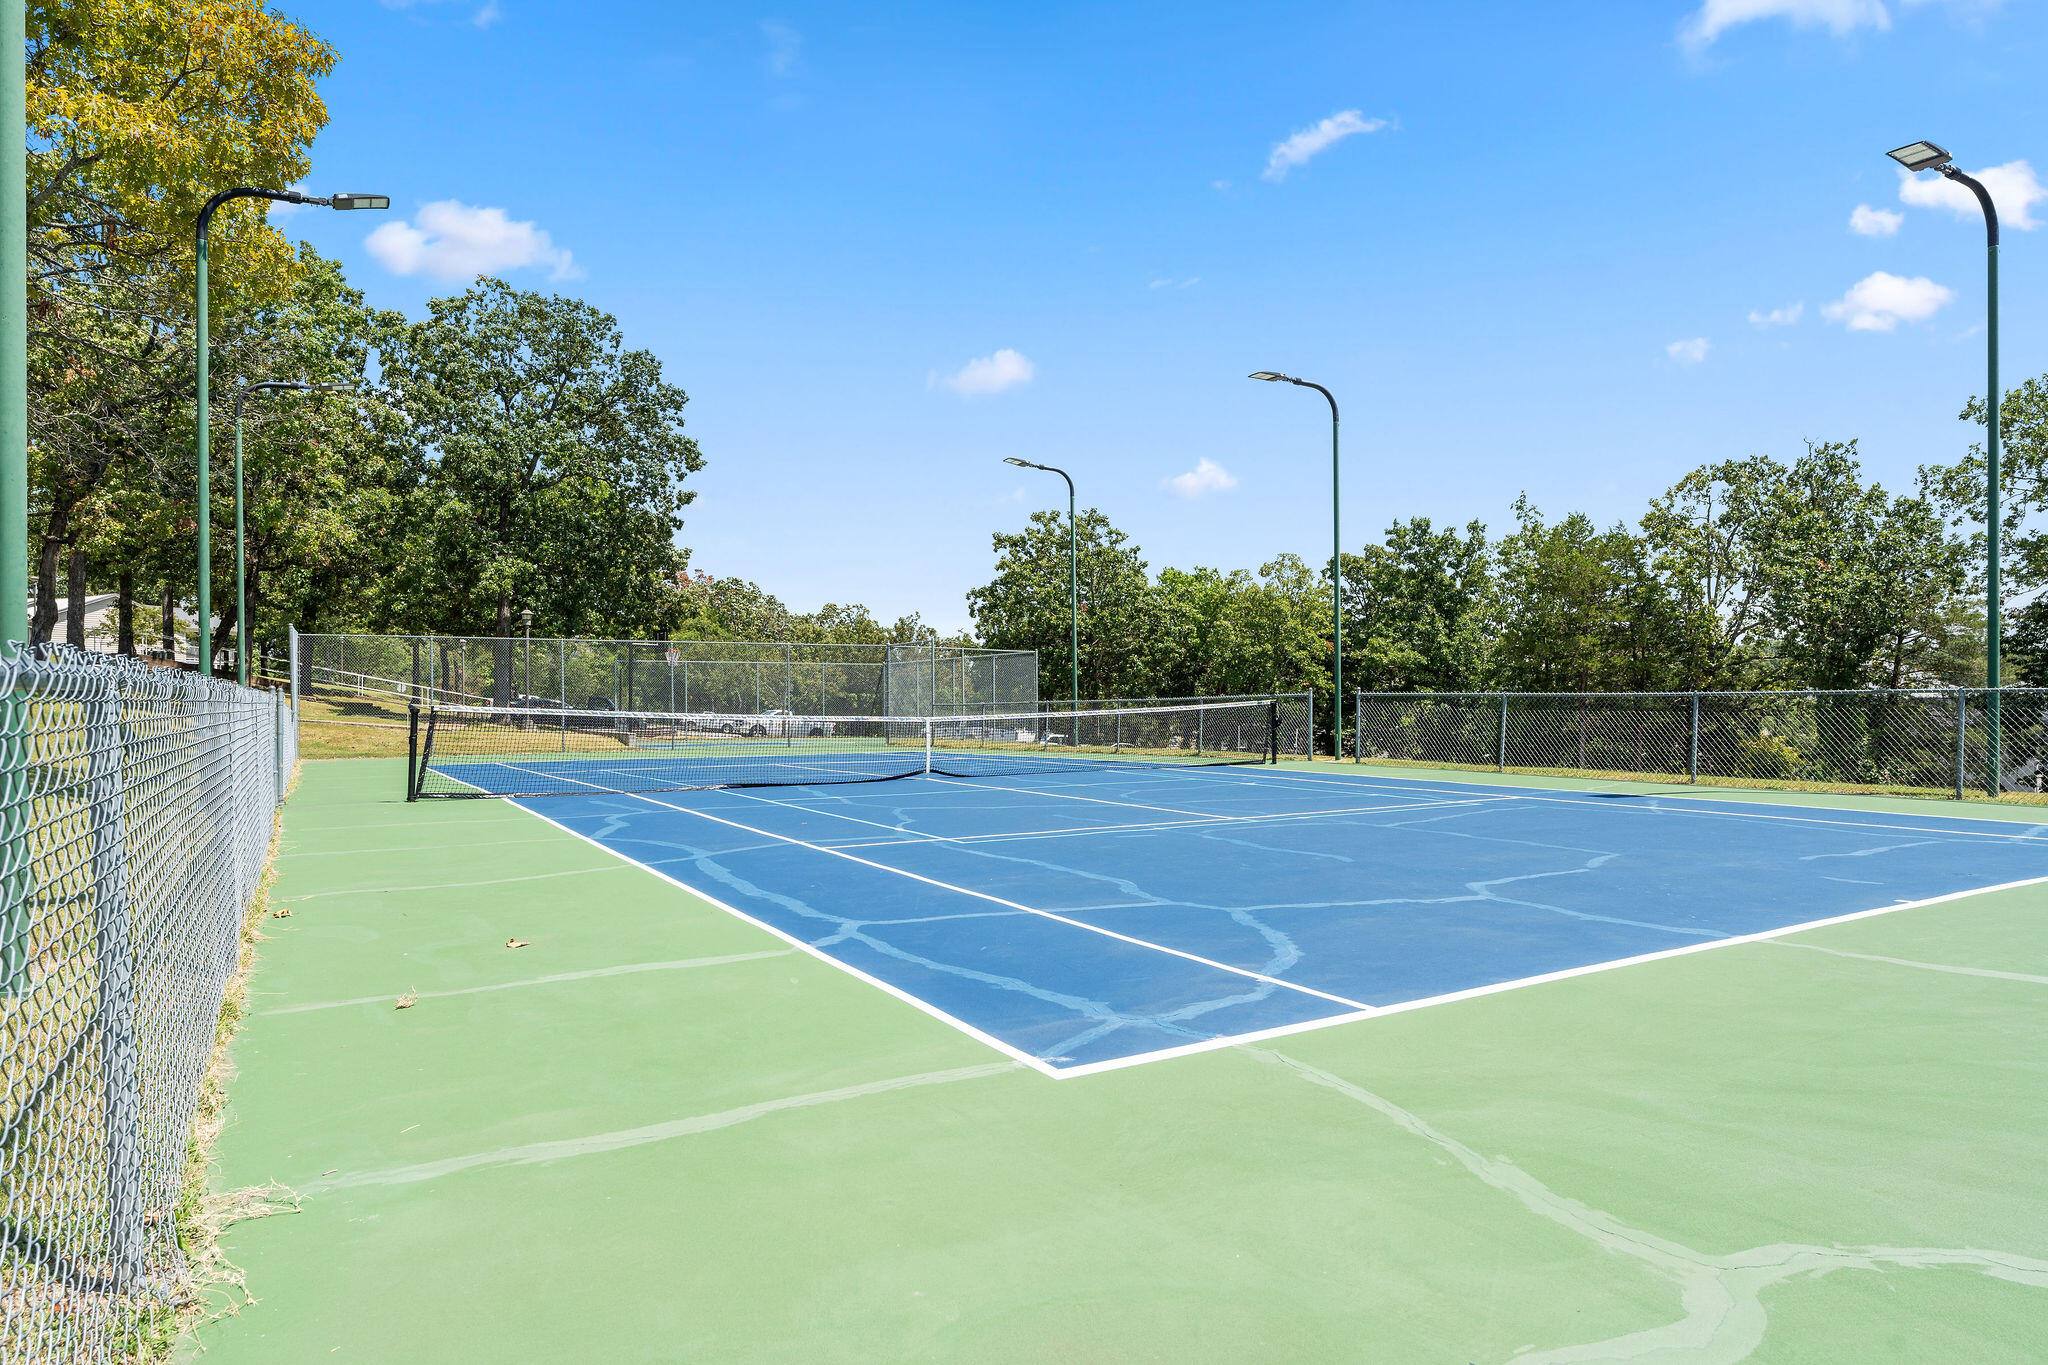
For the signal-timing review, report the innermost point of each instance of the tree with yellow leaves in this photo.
(138, 110)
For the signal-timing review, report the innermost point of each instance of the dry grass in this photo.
(351, 727)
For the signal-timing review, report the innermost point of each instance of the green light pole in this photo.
(13, 331)
(1073, 579)
(241, 576)
(200, 347)
(1336, 560)
(1925, 156)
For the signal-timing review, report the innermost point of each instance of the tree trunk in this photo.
(44, 621)
(124, 613)
(74, 589)
(170, 624)
(224, 635)
(501, 672)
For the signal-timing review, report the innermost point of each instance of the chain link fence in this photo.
(1928, 742)
(724, 676)
(136, 810)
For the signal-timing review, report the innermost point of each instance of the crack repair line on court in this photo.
(1923, 966)
(627, 969)
(1723, 1318)
(999, 900)
(450, 886)
(534, 1153)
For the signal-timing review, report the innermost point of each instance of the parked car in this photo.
(783, 724)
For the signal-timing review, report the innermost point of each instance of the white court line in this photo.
(1610, 803)
(924, 837)
(1014, 905)
(1154, 826)
(1014, 1053)
(1473, 993)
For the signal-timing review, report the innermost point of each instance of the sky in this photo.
(1567, 250)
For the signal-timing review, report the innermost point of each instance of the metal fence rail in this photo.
(1925, 742)
(136, 808)
(734, 676)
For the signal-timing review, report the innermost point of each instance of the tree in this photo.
(1416, 609)
(1581, 610)
(1842, 566)
(544, 465)
(1025, 606)
(138, 110)
(1959, 489)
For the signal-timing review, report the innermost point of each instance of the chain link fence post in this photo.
(1501, 752)
(1693, 764)
(1962, 738)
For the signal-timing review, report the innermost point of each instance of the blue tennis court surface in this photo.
(1090, 919)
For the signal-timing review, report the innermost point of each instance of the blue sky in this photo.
(1569, 249)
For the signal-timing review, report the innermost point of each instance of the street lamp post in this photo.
(1336, 561)
(1073, 581)
(205, 445)
(1925, 156)
(241, 578)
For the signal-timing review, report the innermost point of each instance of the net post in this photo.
(1501, 753)
(1357, 729)
(1962, 736)
(412, 753)
(1273, 731)
(1693, 767)
(927, 745)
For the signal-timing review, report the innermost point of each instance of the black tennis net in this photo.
(527, 751)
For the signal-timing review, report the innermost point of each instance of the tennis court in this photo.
(1106, 1057)
(1092, 919)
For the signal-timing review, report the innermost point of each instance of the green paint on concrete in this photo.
(741, 1153)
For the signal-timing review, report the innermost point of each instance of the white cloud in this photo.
(455, 241)
(1006, 369)
(1839, 17)
(1881, 301)
(1297, 150)
(1778, 317)
(1689, 352)
(2013, 187)
(1206, 477)
(1189, 282)
(784, 47)
(486, 16)
(1866, 221)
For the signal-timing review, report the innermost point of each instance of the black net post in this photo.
(1273, 731)
(412, 753)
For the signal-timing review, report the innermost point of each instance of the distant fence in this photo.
(1923, 742)
(136, 807)
(729, 677)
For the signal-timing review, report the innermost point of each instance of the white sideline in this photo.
(994, 900)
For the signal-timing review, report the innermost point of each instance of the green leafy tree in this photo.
(544, 466)
(1416, 610)
(1959, 489)
(1580, 609)
(1025, 606)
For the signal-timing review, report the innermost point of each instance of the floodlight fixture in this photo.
(1920, 156)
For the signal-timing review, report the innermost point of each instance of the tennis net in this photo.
(527, 751)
